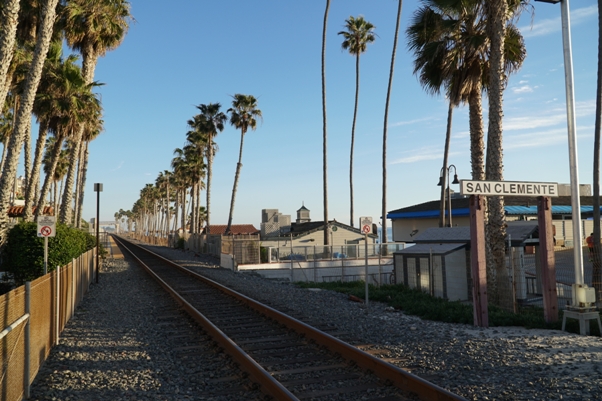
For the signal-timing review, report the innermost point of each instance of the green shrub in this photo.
(263, 254)
(23, 255)
(181, 243)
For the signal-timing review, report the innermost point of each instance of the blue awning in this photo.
(463, 212)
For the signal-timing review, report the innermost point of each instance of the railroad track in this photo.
(286, 358)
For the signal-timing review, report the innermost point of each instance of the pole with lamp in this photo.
(98, 190)
(443, 178)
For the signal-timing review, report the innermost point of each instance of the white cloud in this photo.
(536, 139)
(522, 89)
(547, 26)
(118, 167)
(418, 155)
(523, 82)
(548, 118)
(410, 122)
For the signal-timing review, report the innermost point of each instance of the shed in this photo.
(441, 269)
(439, 263)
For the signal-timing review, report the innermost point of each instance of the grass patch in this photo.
(418, 303)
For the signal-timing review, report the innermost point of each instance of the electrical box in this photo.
(583, 296)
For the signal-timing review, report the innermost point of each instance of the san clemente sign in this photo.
(508, 188)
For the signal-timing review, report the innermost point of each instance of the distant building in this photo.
(277, 230)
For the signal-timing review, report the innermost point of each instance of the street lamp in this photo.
(98, 190)
(442, 179)
(572, 130)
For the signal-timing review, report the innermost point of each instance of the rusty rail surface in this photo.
(398, 377)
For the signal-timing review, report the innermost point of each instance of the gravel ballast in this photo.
(116, 325)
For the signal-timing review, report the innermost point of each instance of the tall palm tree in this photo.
(389, 86)
(8, 34)
(60, 88)
(93, 128)
(451, 47)
(213, 120)
(91, 27)
(23, 119)
(498, 29)
(324, 132)
(358, 35)
(243, 115)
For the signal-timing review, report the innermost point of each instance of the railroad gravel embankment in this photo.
(479, 364)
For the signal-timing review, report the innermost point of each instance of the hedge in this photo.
(23, 254)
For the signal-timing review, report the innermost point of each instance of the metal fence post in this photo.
(58, 302)
(26, 367)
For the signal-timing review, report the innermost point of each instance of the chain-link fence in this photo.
(330, 252)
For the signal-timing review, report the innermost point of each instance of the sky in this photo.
(183, 53)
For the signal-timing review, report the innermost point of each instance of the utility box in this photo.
(583, 296)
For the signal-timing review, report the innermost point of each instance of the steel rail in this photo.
(267, 383)
(398, 377)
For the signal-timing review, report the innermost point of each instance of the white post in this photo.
(572, 130)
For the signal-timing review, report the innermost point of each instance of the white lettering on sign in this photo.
(508, 188)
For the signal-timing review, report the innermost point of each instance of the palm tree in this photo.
(498, 29)
(60, 88)
(243, 115)
(324, 132)
(356, 38)
(451, 50)
(94, 127)
(91, 27)
(213, 122)
(24, 113)
(8, 35)
(384, 200)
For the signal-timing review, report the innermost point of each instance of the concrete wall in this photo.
(324, 270)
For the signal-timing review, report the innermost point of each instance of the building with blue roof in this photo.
(409, 221)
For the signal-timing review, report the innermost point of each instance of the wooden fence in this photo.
(33, 316)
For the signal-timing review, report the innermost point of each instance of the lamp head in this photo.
(455, 181)
(441, 181)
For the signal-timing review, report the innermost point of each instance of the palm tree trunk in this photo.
(357, 95)
(168, 211)
(78, 181)
(209, 175)
(35, 171)
(27, 153)
(477, 134)
(496, 228)
(66, 216)
(31, 85)
(597, 268)
(444, 182)
(324, 132)
(236, 176)
(184, 190)
(198, 213)
(8, 35)
(386, 123)
(56, 150)
(193, 206)
(82, 185)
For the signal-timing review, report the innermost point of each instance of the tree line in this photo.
(38, 80)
